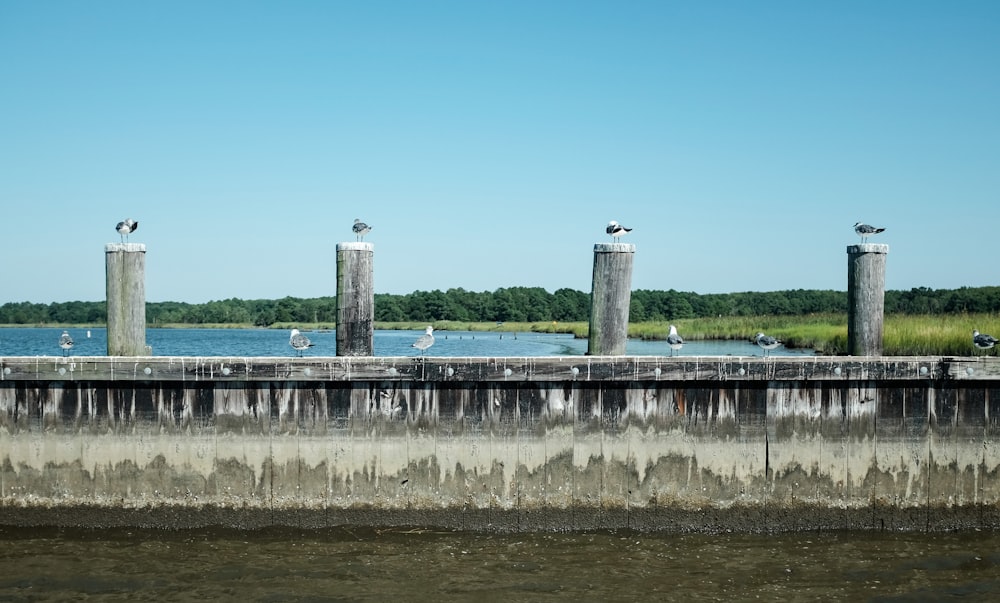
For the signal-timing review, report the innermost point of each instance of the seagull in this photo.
(125, 227)
(674, 340)
(65, 342)
(424, 341)
(865, 230)
(299, 341)
(360, 229)
(766, 342)
(982, 341)
(616, 230)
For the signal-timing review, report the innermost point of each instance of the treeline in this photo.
(514, 304)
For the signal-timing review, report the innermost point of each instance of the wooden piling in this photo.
(126, 297)
(865, 298)
(611, 294)
(355, 300)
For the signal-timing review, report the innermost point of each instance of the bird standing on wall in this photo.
(66, 342)
(424, 341)
(360, 229)
(298, 341)
(864, 230)
(983, 341)
(616, 230)
(766, 342)
(674, 340)
(126, 227)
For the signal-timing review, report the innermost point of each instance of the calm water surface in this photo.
(271, 342)
(420, 565)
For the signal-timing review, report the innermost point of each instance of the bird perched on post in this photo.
(864, 230)
(126, 227)
(766, 342)
(298, 341)
(65, 342)
(424, 341)
(360, 229)
(616, 230)
(674, 340)
(983, 341)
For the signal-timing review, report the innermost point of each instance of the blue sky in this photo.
(489, 143)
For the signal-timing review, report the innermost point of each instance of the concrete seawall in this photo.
(555, 443)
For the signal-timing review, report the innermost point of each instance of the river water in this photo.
(347, 564)
(269, 342)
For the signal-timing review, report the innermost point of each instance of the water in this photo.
(347, 564)
(38, 341)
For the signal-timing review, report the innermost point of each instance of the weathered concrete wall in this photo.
(504, 443)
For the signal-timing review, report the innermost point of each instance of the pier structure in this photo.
(603, 441)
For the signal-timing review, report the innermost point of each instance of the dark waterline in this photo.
(42, 341)
(348, 564)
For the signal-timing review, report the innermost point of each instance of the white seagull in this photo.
(360, 229)
(983, 341)
(674, 340)
(766, 342)
(126, 227)
(299, 341)
(864, 230)
(616, 230)
(424, 341)
(65, 342)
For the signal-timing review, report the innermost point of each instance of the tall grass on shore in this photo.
(903, 335)
(949, 335)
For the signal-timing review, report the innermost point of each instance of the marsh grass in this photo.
(937, 334)
(903, 335)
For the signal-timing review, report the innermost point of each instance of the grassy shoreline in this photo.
(904, 335)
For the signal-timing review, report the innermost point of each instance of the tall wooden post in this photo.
(865, 298)
(125, 265)
(611, 294)
(355, 300)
